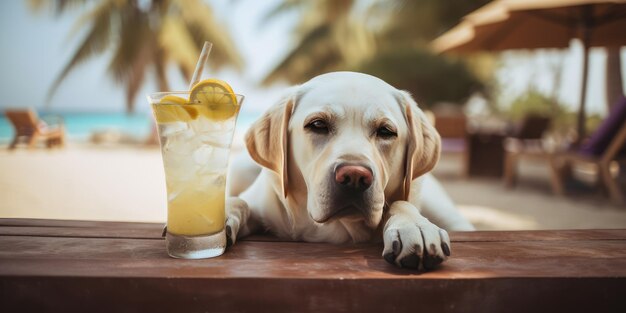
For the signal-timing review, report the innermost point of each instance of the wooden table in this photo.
(75, 266)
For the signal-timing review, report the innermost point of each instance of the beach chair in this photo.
(605, 146)
(29, 128)
(525, 143)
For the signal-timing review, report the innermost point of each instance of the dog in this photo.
(343, 158)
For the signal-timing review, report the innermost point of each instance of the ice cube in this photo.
(172, 195)
(203, 154)
(220, 157)
(211, 180)
(219, 180)
(169, 129)
(178, 168)
(180, 142)
(216, 139)
(203, 125)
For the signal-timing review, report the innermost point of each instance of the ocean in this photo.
(80, 126)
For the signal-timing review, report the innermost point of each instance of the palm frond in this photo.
(134, 32)
(337, 9)
(282, 8)
(96, 41)
(203, 26)
(178, 43)
(329, 38)
(185, 73)
(354, 41)
(156, 34)
(137, 74)
(313, 52)
(58, 6)
(160, 69)
(88, 18)
(133, 52)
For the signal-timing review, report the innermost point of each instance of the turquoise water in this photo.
(80, 126)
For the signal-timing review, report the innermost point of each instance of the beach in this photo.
(126, 183)
(83, 183)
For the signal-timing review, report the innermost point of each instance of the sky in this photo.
(521, 71)
(36, 46)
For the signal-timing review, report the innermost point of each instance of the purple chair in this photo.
(610, 127)
(606, 144)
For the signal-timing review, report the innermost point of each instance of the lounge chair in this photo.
(29, 128)
(606, 145)
(525, 143)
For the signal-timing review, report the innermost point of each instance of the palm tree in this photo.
(145, 35)
(613, 75)
(417, 22)
(329, 36)
(380, 37)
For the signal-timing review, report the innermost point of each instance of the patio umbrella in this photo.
(530, 24)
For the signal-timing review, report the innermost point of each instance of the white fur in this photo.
(354, 100)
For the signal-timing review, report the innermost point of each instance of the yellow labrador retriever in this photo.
(343, 158)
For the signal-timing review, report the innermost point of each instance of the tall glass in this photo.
(195, 143)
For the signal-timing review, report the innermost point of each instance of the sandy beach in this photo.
(126, 183)
(116, 184)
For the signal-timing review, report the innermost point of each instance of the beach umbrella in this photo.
(530, 24)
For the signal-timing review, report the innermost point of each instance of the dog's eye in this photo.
(318, 126)
(385, 133)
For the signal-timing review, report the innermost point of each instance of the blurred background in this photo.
(527, 95)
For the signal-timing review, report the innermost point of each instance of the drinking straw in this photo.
(204, 56)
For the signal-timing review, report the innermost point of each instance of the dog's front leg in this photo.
(410, 239)
(238, 220)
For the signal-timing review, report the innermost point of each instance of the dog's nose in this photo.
(356, 177)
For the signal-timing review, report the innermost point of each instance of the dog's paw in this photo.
(411, 240)
(237, 212)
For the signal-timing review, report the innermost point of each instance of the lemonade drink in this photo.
(195, 131)
(195, 158)
(194, 212)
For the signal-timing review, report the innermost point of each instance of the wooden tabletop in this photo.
(48, 265)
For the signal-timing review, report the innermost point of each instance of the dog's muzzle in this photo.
(350, 190)
(353, 177)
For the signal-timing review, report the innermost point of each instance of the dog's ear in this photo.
(267, 139)
(424, 143)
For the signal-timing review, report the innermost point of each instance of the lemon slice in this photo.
(170, 99)
(216, 97)
(174, 109)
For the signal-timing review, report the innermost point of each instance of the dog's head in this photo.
(345, 143)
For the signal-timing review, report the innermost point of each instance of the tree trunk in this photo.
(557, 71)
(581, 123)
(614, 87)
(160, 66)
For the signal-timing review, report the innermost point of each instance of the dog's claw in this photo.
(396, 246)
(390, 258)
(445, 248)
(413, 242)
(430, 262)
(229, 239)
(411, 261)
